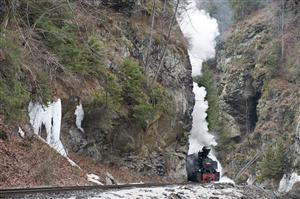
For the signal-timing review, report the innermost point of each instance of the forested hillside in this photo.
(123, 64)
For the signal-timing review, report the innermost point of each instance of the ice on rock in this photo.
(50, 117)
(79, 116)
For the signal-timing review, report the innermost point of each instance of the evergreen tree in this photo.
(274, 162)
(242, 8)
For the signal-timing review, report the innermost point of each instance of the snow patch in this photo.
(225, 179)
(94, 178)
(287, 182)
(21, 133)
(73, 163)
(79, 116)
(251, 180)
(186, 191)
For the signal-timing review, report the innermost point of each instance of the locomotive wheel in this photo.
(209, 179)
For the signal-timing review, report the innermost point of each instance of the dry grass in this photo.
(121, 174)
(30, 162)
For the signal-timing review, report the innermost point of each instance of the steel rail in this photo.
(57, 189)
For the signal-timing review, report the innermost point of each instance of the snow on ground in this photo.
(21, 133)
(251, 180)
(185, 191)
(287, 182)
(79, 116)
(225, 179)
(94, 178)
(188, 191)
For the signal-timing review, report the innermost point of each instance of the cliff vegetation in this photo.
(254, 110)
(124, 61)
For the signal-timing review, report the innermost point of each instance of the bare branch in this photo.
(148, 50)
(166, 45)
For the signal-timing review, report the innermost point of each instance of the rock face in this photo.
(159, 148)
(132, 78)
(257, 69)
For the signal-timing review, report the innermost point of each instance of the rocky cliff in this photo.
(130, 73)
(255, 93)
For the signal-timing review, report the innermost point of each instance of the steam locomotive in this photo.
(201, 168)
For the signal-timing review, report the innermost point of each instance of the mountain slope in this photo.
(256, 91)
(133, 79)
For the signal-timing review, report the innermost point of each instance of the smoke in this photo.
(200, 30)
(219, 9)
(199, 134)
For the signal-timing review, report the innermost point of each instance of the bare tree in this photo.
(166, 44)
(148, 50)
(282, 30)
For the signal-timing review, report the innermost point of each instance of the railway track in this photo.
(25, 191)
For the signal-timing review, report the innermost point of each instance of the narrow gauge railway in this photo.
(46, 190)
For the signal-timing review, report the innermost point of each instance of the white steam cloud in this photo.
(199, 134)
(201, 31)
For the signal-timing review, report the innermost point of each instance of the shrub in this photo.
(242, 8)
(143, 113)
(134, 83)
(42, 91)
(53, 22)
(13, 94)
(273, 58)
(101, 98)
(144, 101)
(134, 92)
(207, 80)
(160, 99)
(274, 162)
(266, 90)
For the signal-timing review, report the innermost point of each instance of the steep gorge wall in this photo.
(256, 73)
(97, 53)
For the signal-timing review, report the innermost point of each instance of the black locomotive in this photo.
(201, 168)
